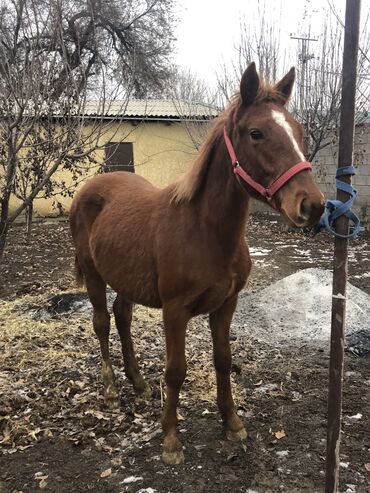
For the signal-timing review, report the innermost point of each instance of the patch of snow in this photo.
(282, 453)
(298, 308)
(350, 488)
(361, 276)
(261, 262)
(304, 253)
(132, 479)
(268, 387)
(352, 373)
(258, 252)
(356, 416)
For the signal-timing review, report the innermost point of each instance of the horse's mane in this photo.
(187, 186)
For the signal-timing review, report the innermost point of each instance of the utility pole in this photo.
(304, 56)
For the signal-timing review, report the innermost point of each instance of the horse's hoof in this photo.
(236, 436)
(111, 403)
(173, 458)
(144, 392)
(111, 399)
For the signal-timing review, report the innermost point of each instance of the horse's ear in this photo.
(285, 86)
(249, 85)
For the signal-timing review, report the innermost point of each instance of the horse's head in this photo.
(268, 142)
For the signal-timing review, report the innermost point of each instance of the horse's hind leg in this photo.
(96, 289)
(220, 326)
(175, 319)
(123, 316)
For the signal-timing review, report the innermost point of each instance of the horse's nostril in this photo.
(306, 208)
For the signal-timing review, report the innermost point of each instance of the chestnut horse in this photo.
(183, 248)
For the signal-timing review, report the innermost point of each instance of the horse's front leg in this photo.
(220, 326)
(175, 320)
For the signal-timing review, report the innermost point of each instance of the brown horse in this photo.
(182, 248)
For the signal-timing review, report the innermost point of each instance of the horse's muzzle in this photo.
(303, 209)
(311, 211)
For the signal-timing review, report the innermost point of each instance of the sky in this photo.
(208, 29)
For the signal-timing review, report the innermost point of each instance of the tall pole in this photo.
(304, 57)
(345, 157)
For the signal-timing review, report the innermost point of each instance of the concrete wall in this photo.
(161, 151)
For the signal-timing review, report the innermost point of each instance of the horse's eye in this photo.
(256, 134)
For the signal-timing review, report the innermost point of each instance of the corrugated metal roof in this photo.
(151, 109)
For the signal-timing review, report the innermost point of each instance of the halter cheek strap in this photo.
(269, 192)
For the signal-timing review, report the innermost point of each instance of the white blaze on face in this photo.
(280, 119)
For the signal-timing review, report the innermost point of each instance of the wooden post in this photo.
(345, 157)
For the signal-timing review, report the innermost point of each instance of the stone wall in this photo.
(325, 164)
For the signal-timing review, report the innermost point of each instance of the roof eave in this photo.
(150, 118)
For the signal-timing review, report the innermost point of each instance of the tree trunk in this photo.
(29, 218)
(11, 169)
(4, 223)
(4, 228)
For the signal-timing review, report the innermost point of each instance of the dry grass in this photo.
(50, 374)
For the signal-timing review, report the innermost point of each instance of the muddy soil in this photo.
(56, 434)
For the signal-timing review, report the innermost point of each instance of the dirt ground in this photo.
(56, 434)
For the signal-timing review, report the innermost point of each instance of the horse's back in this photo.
(109, 186)
(101, 191)
(113, 221)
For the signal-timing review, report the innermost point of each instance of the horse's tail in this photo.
(78, 274)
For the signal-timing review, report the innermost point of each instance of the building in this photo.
(156, 139)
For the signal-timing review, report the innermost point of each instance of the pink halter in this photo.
(269, 192)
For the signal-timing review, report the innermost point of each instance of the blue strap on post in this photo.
(337, 208)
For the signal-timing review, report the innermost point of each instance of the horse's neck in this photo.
(223, 204)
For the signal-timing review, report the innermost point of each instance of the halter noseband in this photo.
(269, 192)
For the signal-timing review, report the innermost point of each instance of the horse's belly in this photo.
(213, 297)
(128, 268)
(136, 287)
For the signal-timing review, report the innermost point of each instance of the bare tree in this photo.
(258, 42)
(89, 34)
(192, 98)
(53, 55)
(318, 90)
(317, 102)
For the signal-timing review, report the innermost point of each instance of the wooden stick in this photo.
(345, 157)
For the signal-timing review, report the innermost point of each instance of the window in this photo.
(119, 157)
